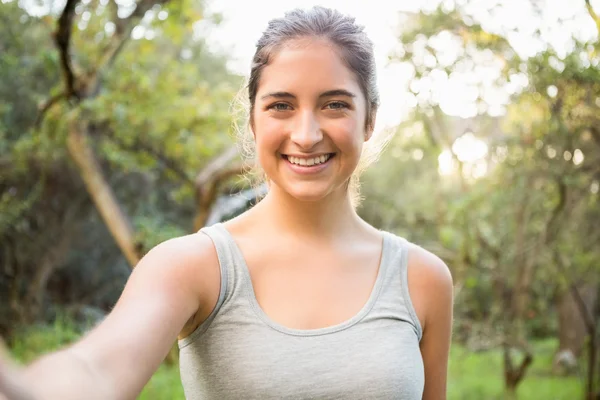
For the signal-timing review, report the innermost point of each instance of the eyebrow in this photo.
(329, 93)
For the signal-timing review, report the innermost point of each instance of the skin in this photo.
(314, 265)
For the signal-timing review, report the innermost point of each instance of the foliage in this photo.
(154, 123)
(511, 222)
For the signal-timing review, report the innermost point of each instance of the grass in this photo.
(472, 376)
(165, 384)
(475, 376)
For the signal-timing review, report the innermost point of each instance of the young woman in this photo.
(298, 297)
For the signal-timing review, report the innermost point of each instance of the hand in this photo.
(12, 382)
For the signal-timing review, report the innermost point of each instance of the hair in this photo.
(355, 50)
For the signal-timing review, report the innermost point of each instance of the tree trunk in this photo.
(208, 181)
(100, 191)
(49, 263)
(525, 264)
(572, 330)
(510, 393)
(85, 86)
(591, 378)
(585, 298)
(514, 375)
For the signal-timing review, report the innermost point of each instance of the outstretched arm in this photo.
(116, 359)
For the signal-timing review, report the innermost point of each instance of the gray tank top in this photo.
(240, 353)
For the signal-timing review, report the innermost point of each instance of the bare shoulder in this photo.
(195, 250)
(186, 264)
(189, 260)
(430, 284)
(428, 267)
(196, 266)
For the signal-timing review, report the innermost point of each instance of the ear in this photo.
(370, 127)
(251, 128)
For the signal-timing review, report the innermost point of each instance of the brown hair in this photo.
(355, 49)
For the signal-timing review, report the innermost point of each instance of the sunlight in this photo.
(446, 164)
(469, 150)
(578, 157)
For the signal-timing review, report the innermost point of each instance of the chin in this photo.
(310, 192)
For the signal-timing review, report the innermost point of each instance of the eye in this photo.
(279, 107)
(337, 105)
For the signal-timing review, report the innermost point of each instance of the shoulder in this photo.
(430, 284)
(192, 251)
(188, 261)
(185, 268)
(428, 267)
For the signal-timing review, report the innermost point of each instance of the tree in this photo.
(129, 128)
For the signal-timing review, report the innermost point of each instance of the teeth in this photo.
(309, 161)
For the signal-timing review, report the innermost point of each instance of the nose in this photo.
(307, 132)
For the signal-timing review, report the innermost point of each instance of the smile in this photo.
(305, 165)
(308, 162)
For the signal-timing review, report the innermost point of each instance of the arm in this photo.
(431, 288)
(115, 360)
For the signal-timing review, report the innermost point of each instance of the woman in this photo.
(298, 297)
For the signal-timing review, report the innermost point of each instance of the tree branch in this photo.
(207, 183)
(552, 221)
(62, 39)
(586, 314)
(123, 30)
(206, 194)
(215, 165)
(593, 14)
(100, 192)
(138, 145)
(46, 106)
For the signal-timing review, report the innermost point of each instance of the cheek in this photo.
(346, 134)
(268, 135)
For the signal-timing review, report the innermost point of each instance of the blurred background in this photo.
(115, 134)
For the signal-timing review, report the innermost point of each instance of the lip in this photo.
(307, 170)
(306, 157)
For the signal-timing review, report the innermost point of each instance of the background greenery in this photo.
(115, 135)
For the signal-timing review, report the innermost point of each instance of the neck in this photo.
(331, 217)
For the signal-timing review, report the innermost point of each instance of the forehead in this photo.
(307, 66)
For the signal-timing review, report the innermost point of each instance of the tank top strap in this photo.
(228, 264)
(395, 293)
(231, 259)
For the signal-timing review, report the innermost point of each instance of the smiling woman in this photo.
(321, 282)
(298, 297)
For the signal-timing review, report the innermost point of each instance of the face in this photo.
(309, 121)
